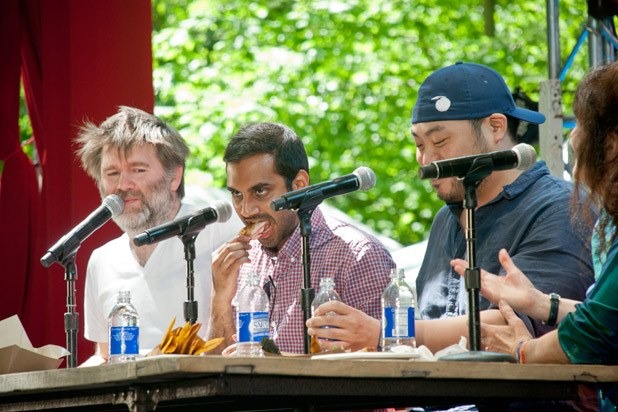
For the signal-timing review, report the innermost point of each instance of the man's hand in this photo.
(349, 328)
(514, 287)
(226, 262)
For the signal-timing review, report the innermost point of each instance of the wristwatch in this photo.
(554, 301)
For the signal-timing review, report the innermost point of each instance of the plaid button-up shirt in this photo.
(359, 264)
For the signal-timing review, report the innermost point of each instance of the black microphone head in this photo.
(114, 203)
(366, 178)
(526, 156)
(224, 210)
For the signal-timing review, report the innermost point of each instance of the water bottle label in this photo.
(398, 322)
(252, 326)
(124, 340)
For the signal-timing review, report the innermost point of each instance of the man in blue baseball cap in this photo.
(467, 109)
(461, 110)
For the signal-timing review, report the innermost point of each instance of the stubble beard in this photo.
(286, 225)
(457, 192)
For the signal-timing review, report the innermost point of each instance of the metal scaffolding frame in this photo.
(602, 47)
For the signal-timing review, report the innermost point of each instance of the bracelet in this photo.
(554, 301)
(520, 355)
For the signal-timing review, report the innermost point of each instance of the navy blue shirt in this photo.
(531, 219)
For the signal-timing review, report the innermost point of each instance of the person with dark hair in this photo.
(587, 331)
(467, 109)
(263, 162)
(140, 158)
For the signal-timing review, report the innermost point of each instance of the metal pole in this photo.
(550, 97)
(553, 38)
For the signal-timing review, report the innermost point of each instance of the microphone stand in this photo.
(71, 317)
(307, 293)
(480, 169)
(188, 240)
(190, 305)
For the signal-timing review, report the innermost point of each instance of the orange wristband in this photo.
(520, 354)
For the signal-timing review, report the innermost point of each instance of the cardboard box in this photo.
(17, 353)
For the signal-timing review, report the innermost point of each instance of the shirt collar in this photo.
(512, 190)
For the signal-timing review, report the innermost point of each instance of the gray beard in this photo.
(159, 208)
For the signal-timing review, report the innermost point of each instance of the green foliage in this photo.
(343, 75)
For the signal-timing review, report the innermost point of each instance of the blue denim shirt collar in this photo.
(510, 191)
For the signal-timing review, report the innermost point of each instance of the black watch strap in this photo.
(554, 302)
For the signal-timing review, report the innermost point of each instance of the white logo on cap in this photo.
(443, 103)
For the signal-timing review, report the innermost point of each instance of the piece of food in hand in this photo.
(253, 229)
(185, 341)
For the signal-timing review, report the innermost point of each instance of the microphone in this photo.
(186, 225)
(362, 178)
(69, 243)
(521, 157)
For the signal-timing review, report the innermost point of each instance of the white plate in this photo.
(367, 355)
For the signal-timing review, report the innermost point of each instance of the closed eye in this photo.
(440, 143)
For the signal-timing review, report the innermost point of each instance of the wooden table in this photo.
(171, 382)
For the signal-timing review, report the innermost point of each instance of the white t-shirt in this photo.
(158, 290)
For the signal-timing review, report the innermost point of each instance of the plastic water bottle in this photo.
(397, 313)
(123, 330)
(326, 293)
(251, 318)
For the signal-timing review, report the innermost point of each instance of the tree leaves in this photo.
(343, 75)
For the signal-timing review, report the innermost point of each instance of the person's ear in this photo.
(498, 126)
(176, 179)
(301, 180)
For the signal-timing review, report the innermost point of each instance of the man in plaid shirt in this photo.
(263, 162)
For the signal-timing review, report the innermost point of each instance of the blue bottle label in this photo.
(398, 322)
(252, 326)
(124, 340)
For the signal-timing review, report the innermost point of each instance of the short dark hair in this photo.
(269, 138)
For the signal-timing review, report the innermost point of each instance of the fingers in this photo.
(490, 334)
(230, 256)
(338, 307)
(507, 312)
(514, 322)
(353, 328)
(459, 265)
(506, 261)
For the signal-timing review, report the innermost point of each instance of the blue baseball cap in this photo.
(466, 91)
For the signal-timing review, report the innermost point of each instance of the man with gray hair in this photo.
(140, 158)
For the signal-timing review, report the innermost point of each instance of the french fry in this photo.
(185, 341)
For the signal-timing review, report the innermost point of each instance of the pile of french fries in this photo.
(185, 341)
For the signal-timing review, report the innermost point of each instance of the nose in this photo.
(247, 207)
(125, 182)
(425, 157)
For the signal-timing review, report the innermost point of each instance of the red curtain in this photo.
(18, 185)
(79, 60)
